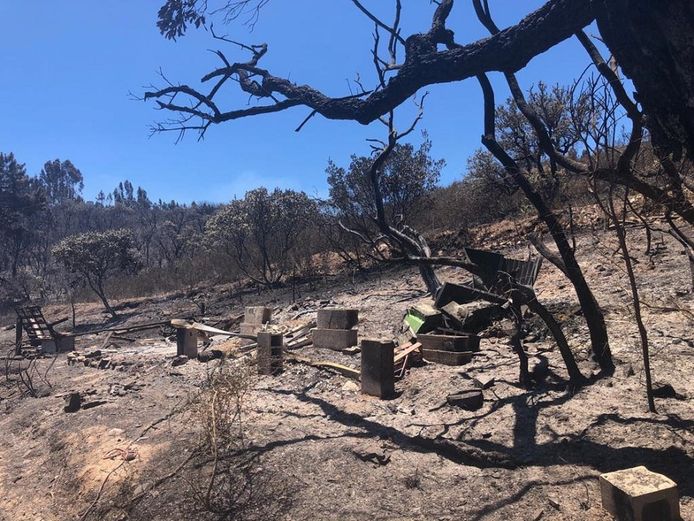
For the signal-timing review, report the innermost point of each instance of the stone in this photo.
(447, 357)
(73, 402)
(212, 354)
(336, 339)
(187, 342)
(377, 368)
(179, 360)
(469, 400)
(334, 318)
(350, 386)
(483, 381)
(269, 353)
(257, 315)
(637, 494)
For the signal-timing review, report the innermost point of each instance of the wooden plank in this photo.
(348, 372)
(403, 354)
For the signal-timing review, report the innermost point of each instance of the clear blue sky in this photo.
(68, 67)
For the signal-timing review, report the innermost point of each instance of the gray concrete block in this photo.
(334, 318)
(377, 368)
(269, 353)
(637, 494)
(187, 342)
(337, 339)
(257, 315)
(455, 343)
(447, 357)
(250, 329)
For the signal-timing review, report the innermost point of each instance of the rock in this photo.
(640, 495)
(179, 360)
(350, 386)
(469, 400)
(666, 391)
(73, 402)
(483, 381)
(212, 354)
(115, 432)
(95, 403)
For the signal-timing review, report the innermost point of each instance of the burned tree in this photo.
(651, 40)
(261, 231)
(373, 198)
(97, 257)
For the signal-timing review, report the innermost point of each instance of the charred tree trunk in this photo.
(653, 42)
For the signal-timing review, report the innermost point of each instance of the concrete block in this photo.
(637, 494)
(447, 357)
(65, 344)
(377, 368)
(469, 400)
(257, 315)
(337, 339)
(269, 353)
(455, 343)
(48, 346)
(334, 318)
(187, 342)
(250, 329)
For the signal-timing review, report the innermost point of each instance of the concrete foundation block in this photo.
(455, 343)
(447, 357)
(49, 346)
(269, 353)
(334, 318)
(637, 494)
(377, 371)
(337, 339)
(469, 400)
(187, 342)
(250, 329)
(65, 344)
(257, 315)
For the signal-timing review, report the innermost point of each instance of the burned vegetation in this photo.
(516, 345)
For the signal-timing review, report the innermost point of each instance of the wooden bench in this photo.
(41, 333)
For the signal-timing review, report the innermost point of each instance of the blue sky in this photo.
(68, 67)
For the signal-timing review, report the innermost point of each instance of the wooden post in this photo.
(269, 353)
(187, 342)
(377, 368)
(18, 337)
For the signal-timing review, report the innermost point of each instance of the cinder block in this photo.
(637, 494)
(447, 357)
(48, 346)
(269, 353)
(257, 315)
(187, 342)
(250, 329)
(455, 343)
(333, 318)
(377, 371)
(470, 400)
(336, 339)
(65, 344)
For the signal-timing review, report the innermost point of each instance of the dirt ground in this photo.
(315, 448)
